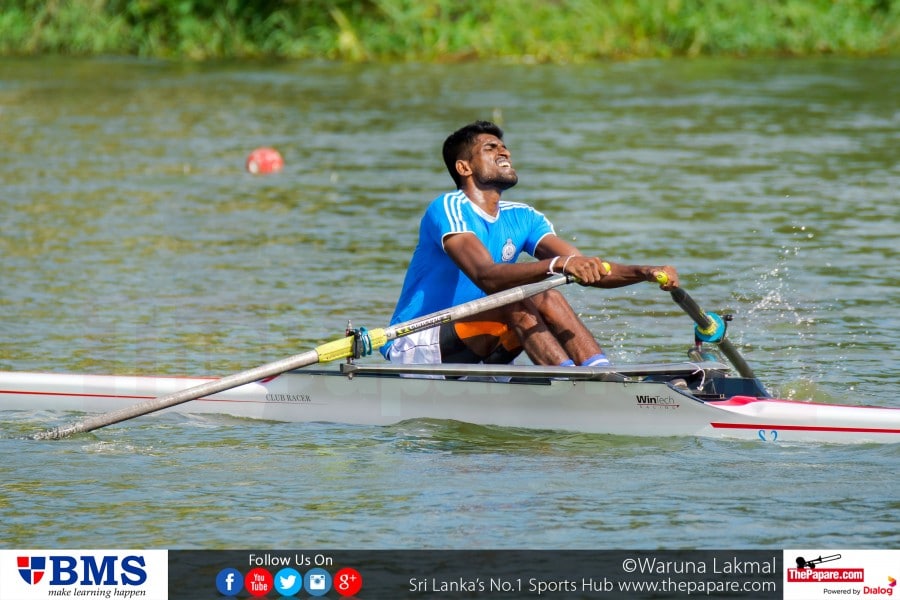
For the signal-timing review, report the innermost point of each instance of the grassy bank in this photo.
(521, 30)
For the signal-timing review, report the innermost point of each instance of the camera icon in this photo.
(317, 582)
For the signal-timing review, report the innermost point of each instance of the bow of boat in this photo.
(772, 419)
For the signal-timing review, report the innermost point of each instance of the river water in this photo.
(133, 241)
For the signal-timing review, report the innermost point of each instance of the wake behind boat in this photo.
(698, 398)
(680, 399)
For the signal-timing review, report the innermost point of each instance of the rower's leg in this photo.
(546, 327)
(568, 329)
(519, 325)
(540, 342)
(483, 338)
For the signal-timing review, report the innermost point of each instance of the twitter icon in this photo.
(288, 581)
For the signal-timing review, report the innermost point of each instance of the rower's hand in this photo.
(587, 270)
(666, 277)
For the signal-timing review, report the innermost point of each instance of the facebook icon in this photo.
(229, 582)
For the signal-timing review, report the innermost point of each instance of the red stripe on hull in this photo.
(803, 428)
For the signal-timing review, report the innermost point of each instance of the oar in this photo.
(710, 329)
(334, 350)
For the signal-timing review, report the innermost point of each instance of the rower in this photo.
(469, 243)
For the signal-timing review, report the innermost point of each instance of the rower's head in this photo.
(477, 150)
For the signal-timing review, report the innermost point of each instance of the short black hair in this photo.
(459, 144)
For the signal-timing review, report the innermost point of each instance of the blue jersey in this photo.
(433, 281)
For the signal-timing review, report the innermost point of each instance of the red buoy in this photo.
(263, 161)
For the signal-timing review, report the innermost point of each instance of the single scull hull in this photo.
(653, 400)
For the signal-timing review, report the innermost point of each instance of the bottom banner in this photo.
(513, 574)
(801, 574)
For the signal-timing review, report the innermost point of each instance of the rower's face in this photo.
(491, 163)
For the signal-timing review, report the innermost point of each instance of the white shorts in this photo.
(424, 347)
(421, 347)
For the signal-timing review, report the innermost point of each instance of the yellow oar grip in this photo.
(661, 278)
(343, 348)
(607, 267)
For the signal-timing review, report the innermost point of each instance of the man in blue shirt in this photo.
(469, 241)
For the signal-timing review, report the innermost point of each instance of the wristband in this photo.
(550, 270)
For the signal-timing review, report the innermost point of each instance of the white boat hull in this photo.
(636, 407)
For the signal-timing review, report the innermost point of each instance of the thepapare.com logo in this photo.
(88, 574)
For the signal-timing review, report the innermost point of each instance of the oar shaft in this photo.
(684, 300)
(477, 306)
(693, 310)
(732, 354)
(337, 349)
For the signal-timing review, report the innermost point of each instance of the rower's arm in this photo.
(471, 256)
(596, 272)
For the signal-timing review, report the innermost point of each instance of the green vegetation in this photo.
(446, 30)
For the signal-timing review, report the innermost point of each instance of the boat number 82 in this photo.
(768, 436)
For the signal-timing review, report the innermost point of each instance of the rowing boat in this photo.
(697, 398)
(678, 399)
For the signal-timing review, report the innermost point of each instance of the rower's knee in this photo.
(553, 307)
(550, 298)
(523, 315)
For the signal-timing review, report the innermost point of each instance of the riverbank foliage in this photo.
(448, 30)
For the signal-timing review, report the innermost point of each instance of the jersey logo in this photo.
(509, 250)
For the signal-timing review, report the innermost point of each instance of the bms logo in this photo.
(83, 570)
(31, 568)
